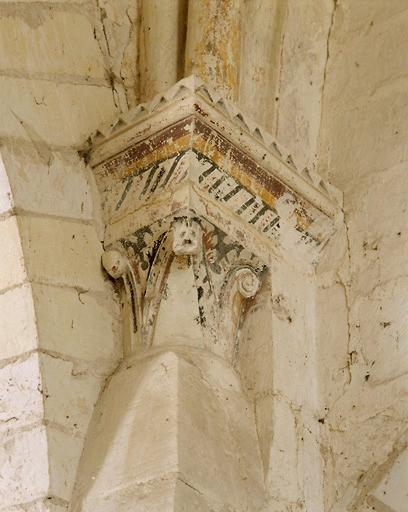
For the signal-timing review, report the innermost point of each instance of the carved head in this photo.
(187, 236)
(114, 262)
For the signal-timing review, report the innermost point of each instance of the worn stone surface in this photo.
(363, 150)
(213, 44)
(51, 367)
(323, 358)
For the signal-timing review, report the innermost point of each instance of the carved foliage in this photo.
(158, 262)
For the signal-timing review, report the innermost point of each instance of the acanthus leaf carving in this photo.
(216, 266)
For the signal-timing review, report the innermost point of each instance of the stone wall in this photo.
(365, 351)
(58, 316)
(55, 355)
(327, 79)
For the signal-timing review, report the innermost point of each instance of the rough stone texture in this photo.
(136, 449)
(213, 43)
(162, 39)
(363, 146)
(326, 357)
(51, 366)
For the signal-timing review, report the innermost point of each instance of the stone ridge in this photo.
(193, 85)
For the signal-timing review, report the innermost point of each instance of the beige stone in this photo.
(18, 324)
(52, 42)
(50, 183)
(65, 319)
(392, 490)
(47, 242)
(213, 43)
(6, 198)
(79, 388)
(292, 395)
(12, 260)
(24, 459)
(163, 29)
(58, 114)
(22, 395)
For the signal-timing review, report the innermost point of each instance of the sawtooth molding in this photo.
(190, 149)
(187, 177)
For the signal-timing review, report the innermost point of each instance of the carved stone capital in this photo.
(195, 198)
(191, 149)
(199, 205)
(181, 275)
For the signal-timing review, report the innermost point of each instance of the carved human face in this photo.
(186, 236)
(114, 262)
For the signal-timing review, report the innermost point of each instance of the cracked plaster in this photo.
(344, 102)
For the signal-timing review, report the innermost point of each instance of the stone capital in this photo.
(191, 149)
(197, 203)
(195, 199)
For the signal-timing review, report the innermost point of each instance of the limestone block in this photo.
(45, 1)
(379, 257)
(34, 109)
(47, 504)
(12, 270)
(293, 323)
(371, 194)
(49, 41)
(21, 389)
(262, 33)
(282, 481)
(364, 96)
(256, 343)
(355, 16)
(364, 89)
(393, 489)
(78, 325)
(64, 452)
(219, 430)
(374, 423)
(213, 44)
(370, 137)
(70, 393)
(264, 414)
(151, 496)
(163, 25)
(188, 498)
(158, 431)
(366, 507)
(382, 331)
(310, 460)
(17, 322)
(132, 442)
(56, 185)
(43, 390)
(304, 55)
(332, 339)
(284, 506)
(24, 463)
(117, 32)
(6, 198)
(375, 55)
(60, 252)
